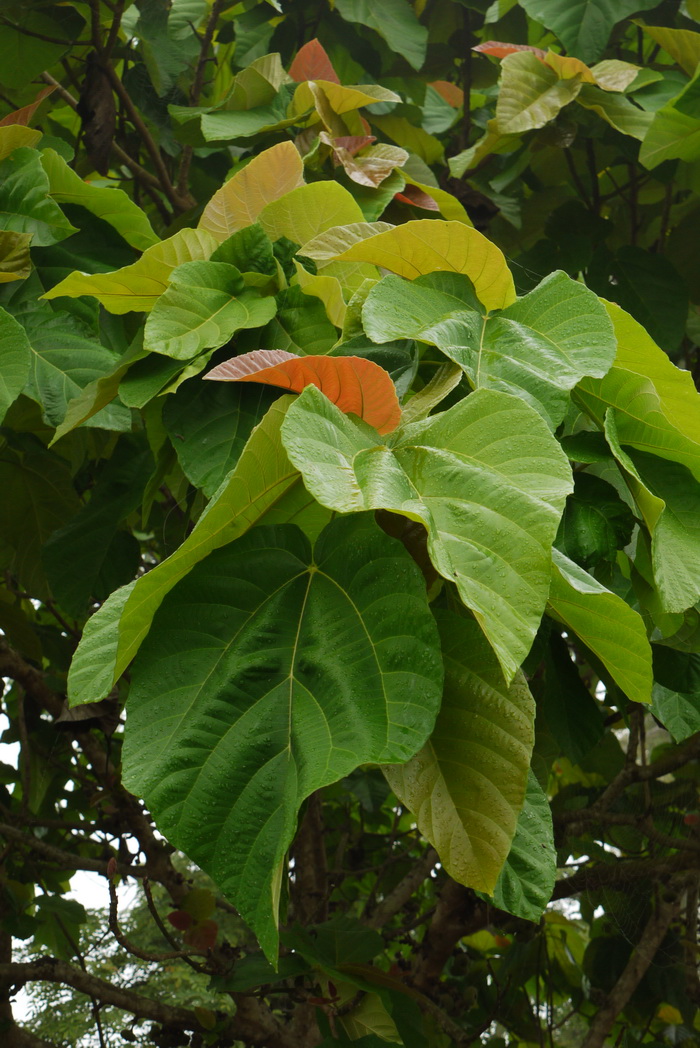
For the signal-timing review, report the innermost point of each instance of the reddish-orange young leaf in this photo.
(453, 95)
(181, 920)
(203, 935)
(312, 63)
(499, 50)
(358, 386)
(415, 196)
(25, 114)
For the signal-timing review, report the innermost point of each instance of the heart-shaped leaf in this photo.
(487, 480)
(358, 386)
(272, 671)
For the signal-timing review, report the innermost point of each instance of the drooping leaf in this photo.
(668, 496)
(617, 110)
(683, 45)
(204, 304)
(326, 288)
(583, 26)
(15, 357)
(605, 623)
(571, 712)
(400, 359)
(466, 786)
(424, 246)
(269, 176)
(15, 261)
(209, 425)
(410, 136)
(136, 287)
(655, 403)
(25, 204)
(526, 881)
(25, 114)
(111, 205)
(264, 486)
(358, 386)
(395, 21)
(325, 617)
(538, 348)
(490, 502)
(531, 94)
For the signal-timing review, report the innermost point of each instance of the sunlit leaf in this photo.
(359, 387)
(15, 358)
(467, 785)
(490, 502)
(269, 175)
(137, 287)
(605, 623)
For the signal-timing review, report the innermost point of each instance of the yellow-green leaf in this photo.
(268, 176)
(309, 210)
(138, 286)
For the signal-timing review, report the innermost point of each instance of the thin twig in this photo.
(196, 90)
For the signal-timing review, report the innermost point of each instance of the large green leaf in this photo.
(657, 408)
(37, 497)
(668, 496)
(584, 26)
(25, 204)
(269, 672)
(202, 307)
(487, 480)
(467, 785)
(616, 110)
(263, 486)
(209, 423)
(526, 881)
(424, 246)
(531, 94)
(676, 696)
(64, 359)
(136, 287)
(537, 348)
(111, 205)
(605, 623)
(15, 356)
(396, 23)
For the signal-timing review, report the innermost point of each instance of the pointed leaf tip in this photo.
(313, 63)
(358, 386)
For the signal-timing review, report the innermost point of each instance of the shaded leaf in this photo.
(584, 26)
(209, 425)
(15, 356)
(466, 786)
(358, 386)
(396, 23)
(15, 261)
(596, 522)
(571, 712)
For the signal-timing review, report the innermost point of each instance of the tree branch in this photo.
(635, 969)
(399, 896)
(196, 90)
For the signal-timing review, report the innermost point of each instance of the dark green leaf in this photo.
(596, 522)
